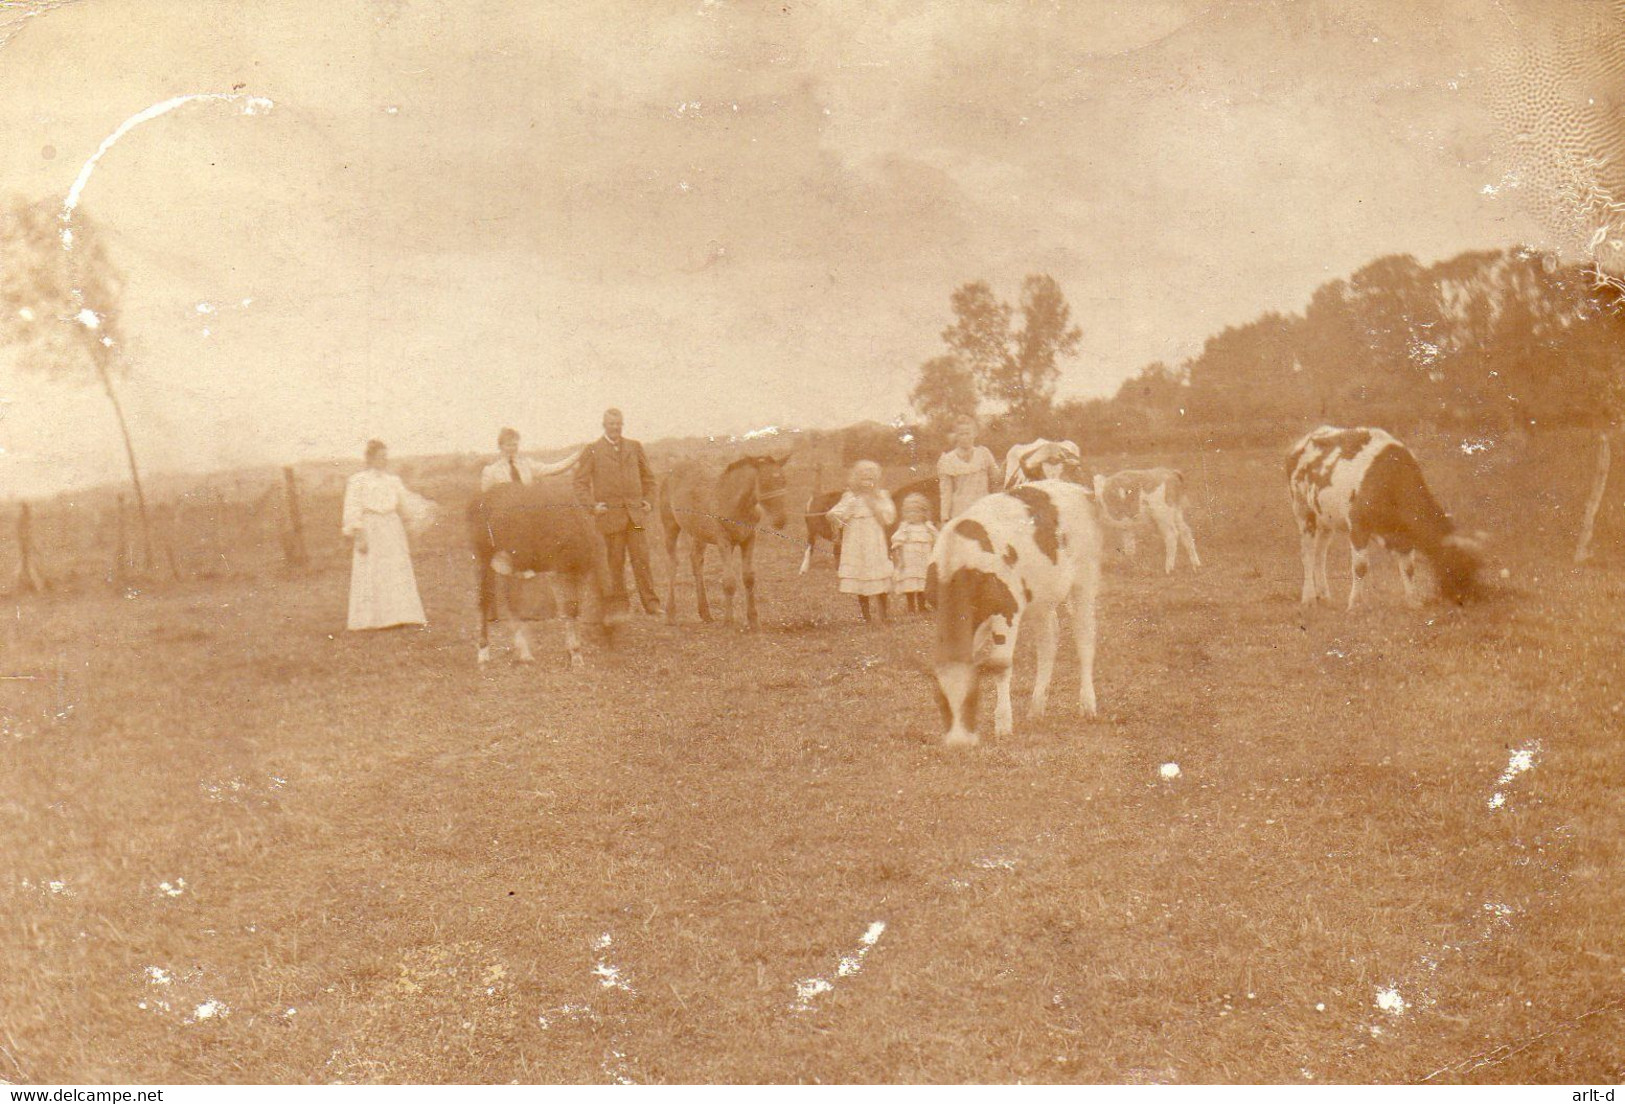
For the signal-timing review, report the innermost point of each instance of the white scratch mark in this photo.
(607, 973)
(211, 1009)
(1522, 760)
(1391, 1002)
(993, 862)
(809, 988)
(172, 890)
(256, 105)
(1169, 771)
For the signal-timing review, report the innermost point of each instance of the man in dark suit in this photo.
(614, 475)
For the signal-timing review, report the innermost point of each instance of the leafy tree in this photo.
(1016, 367)
(980, 335)
(1046, 335)
(59, 310)
(946, 391)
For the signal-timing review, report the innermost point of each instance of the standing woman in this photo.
(377, 506)
(965, 472)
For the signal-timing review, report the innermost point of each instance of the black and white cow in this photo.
(1154, 497)
(1038, 459)
(1366, 484)
(1019, 553)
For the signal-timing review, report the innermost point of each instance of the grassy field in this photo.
(239, 844)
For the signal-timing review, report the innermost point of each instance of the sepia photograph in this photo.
(707, 542)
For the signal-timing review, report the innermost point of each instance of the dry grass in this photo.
(398, 868)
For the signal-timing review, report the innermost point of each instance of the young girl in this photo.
(911, 550)
(861, 517)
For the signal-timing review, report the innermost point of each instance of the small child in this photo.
(911, 550)
(861, 517)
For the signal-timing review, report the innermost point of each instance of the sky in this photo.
(715, 215)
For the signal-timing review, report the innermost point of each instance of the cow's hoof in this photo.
(484, 656)
(576, 663)
(524, 657)
(959, 739)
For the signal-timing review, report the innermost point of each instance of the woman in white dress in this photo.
(377, 509)
(965, 472)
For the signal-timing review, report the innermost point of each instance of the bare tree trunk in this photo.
(1599, 484)
(135, 471)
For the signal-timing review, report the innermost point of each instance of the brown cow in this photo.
(520, 530)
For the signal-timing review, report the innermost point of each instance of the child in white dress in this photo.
(911, 550)
(861, 517)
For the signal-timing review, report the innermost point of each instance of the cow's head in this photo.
(1040, 459)
(1456, 566)
(972, 603)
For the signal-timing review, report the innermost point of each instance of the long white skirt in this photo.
(383, 588)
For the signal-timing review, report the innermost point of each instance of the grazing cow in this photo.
(1038, 459)
(1156, 496)
(1013, 554)
(518, 530)
(1366, 484)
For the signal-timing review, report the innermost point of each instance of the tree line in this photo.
(1493, 341)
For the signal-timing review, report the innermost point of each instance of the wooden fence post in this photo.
(1599, 483)
(294, 549)
(29, 578)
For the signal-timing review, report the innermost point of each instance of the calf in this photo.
(1021, 552)
(519, 529)
(1038, 459)
(1156, 496)
(818, 526)
(1366, 484)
